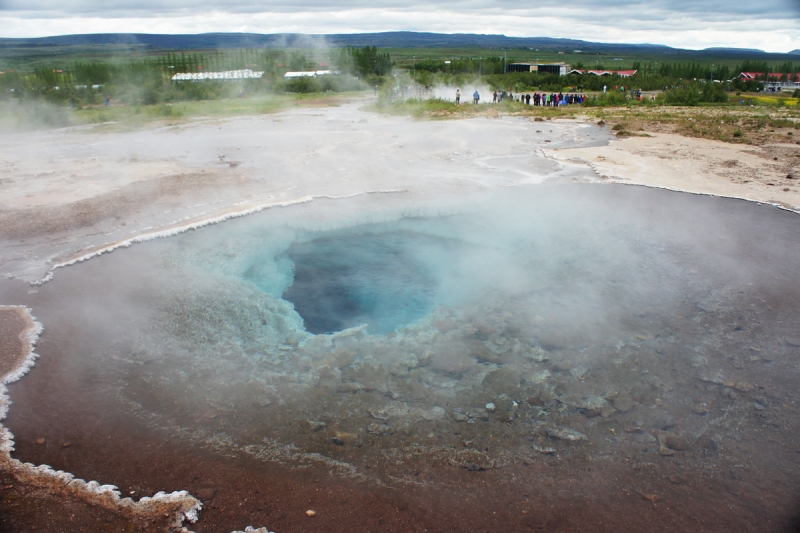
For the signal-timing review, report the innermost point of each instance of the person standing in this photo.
(604, 89)
(476, 96)
(458, 97)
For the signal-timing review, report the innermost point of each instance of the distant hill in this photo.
(735, 50)
(398, 39)
(795, 52)
(395, 39)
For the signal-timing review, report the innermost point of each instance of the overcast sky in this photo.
(771, 25)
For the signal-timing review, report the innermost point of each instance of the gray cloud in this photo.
(598, 9)
(772, 25)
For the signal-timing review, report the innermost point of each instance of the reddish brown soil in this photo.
(549, 495)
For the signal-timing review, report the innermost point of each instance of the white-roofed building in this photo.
(308, 74)
(245, 74)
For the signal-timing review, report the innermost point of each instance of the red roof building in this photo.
(772, 75)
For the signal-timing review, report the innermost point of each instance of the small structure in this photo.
(245, 74)
(308, 74)
(774, 81)
(620, 73)
(549, 68)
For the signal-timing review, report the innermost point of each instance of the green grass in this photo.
(34, 115)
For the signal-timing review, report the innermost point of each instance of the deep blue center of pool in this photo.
(345, 280)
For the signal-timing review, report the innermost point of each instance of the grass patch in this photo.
(38, 115)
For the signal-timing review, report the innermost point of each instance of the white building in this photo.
(309, 74)
(245, 74)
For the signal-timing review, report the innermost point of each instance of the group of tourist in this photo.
(540, 99)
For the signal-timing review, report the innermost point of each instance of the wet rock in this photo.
(560, 389)
(793, 342)
(434, 413)
(651, 497)
(315, 425)
(490, 407)
(743, 386)
(378, 429)
(562, 366)
(460, 417)
(349, 387)
(545, 450)
(566, 434)
(40, 441)
(535, 378)
(732, 394)
(535, 401)
(700, 409)
(663, 421)
(478, 414)
(607, 410)
(379, 414)
(676, 442)
(205, 494)
(706, 443)
(536, 354)
(337, 441)
(345, 436)
(623, 403)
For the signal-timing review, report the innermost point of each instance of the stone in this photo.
(378, 429)
(315, 425)
(700, 409)
(545, 451)
(490, 407)
(349, 387)
(40, 441)
(311, 513)
(794, 343)
(460, 417)
(743, 386)
(535, 401)
(66, 444)
(651, 497)
(434, 413)
(379, 414)
(562, 366)
(676, 442)
(607, 410)
(566, 434)
(623, 403)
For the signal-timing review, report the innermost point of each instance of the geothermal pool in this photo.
(569, 357)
